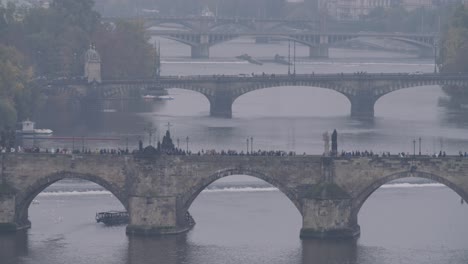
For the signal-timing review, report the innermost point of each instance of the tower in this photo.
(92, 65)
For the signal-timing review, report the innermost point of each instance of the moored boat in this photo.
(28, 128)
(112, 217)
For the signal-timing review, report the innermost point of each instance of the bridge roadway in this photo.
(362, 91)
(318, 41)
(157, 191)
(210, 22)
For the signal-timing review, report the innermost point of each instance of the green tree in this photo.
(125, 51)
(454, 46)
(15, 92)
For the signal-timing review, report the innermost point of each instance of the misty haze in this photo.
(234, 131)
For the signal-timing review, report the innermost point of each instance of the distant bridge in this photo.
(318, 42)
(200, 33)
(209, 23)
(362, 90)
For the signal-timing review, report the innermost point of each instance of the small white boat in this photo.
(165, 97)
(28, 128)
(149, 97)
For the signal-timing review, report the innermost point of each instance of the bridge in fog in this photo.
(158, 190)
(317, 41)
(202, 32)
(362, 90)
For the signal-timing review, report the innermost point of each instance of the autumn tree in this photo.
(16, 95)
(454, 48)
(125, 51)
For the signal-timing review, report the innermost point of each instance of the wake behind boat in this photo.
(157, 97)
(28, 129)
(165, 97)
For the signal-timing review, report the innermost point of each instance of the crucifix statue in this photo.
(150, 130)
(169, 126)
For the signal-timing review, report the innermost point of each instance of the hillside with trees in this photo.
(454, 53)
(49, 43)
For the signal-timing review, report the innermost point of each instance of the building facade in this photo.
(352, 9)
(356, 9)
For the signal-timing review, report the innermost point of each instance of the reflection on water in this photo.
(170, 250)
(329, 251)
(13, 247)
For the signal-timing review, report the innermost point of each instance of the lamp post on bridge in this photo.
(435, 57)
(187, 140)
(419, 146)
(251, 145)
(289, 57)
(126, 143)
(247, 146)
(294, 58)
(414, 148)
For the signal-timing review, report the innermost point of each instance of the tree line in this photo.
(40, 43)
(453, 57)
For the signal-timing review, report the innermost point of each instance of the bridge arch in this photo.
(193, 193)
(362, 197)
(340, 92)
(26, 196)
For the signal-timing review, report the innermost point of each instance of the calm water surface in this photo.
(399, 224)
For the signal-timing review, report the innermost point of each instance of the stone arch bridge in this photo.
(362, 91)
(158, 191)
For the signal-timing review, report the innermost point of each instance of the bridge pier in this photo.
(362, 105)
(221, 105)
(8, 212)
(328, 218)
(200, 51)
(153, 216)
(320, 51)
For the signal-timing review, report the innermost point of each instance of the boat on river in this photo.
(281, 60)
(149, 97)
(27, 128)
(249, 58)
(113, 217)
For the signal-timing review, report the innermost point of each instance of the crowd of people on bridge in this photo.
(167, 147)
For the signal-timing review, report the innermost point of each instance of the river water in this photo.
(243, 221)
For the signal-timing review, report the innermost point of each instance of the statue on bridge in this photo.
(326, 139)
(167, 145)
(92, 66)
(334, 139)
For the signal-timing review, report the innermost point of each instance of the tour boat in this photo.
(112, 217)
(28, 128)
